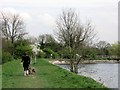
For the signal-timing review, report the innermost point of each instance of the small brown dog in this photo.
(31, 71)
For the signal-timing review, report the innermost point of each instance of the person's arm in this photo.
(22, 59)
(29, 59)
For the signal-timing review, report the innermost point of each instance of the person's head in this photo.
(25, 53)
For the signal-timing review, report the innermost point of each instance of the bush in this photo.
(41, 54)
(65, 53)
(20, 50)
(6, 57)
(48, 53)
(92, 56)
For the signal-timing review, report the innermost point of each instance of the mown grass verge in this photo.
(47, 76)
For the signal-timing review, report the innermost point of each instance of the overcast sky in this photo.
(40, 15)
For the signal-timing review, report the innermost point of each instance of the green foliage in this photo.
(88, 53)
(7, 50)
(91, 54)
(48, 53)
(21, 41)
(113, 49)
(15, 49)
(41, 54)
(67, 53)
(7, 46)
(20, 50)
(6, 56)
(21, 46)
(53, 46)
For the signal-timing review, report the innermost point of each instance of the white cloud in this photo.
(24, 15)
(47, 20)
(59, 3)
(7, 10)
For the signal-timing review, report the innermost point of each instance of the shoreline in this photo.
(63, 62)
(103, 83)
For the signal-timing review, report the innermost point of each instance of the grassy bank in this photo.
(47, 76)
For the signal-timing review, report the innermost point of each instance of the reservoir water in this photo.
(103, 73)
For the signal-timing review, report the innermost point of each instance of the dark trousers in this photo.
(26, 66)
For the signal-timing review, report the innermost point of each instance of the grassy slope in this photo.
(47, 76)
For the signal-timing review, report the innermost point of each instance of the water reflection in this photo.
(104, 73)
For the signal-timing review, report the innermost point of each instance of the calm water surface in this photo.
(103, 73)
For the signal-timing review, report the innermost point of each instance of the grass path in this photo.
(47, 76)
(13, 77)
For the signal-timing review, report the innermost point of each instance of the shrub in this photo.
(20, 50)
(6, 56)
(41, 54)
(48, 53)
(65, 53)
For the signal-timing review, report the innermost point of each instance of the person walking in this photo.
(26, 63)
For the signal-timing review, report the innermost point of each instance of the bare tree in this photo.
(12, 26)
(33, 40)
(45, 38)
(102, 45)
(73, 34)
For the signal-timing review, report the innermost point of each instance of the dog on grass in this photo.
(31, 71)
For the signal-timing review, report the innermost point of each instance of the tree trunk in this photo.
(71, 65)
(76, 68)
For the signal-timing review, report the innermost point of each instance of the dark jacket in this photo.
(25, 60)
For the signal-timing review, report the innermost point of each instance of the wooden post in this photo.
(35, 58)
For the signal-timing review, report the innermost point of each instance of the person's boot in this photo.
(24, 73)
